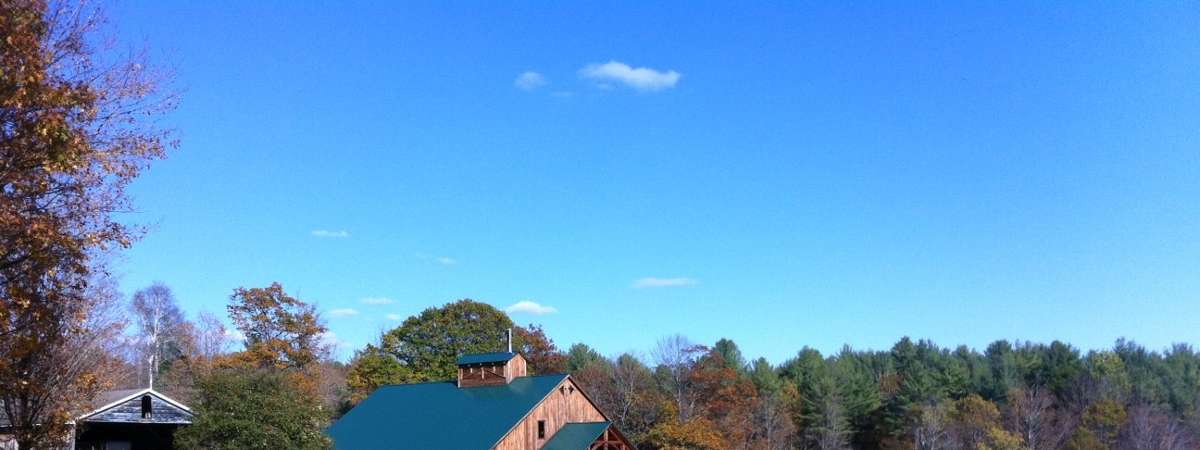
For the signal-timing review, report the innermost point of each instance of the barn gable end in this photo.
(565, 404)
(144, 406)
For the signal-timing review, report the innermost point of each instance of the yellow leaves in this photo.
(695, 434)
(78, 138)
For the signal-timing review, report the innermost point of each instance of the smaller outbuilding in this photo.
(131, 419)
(136, 419)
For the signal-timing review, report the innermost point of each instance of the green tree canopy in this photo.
(254, 409)
(580, 356)
(372, 368)
(430, 343)
(731, 354)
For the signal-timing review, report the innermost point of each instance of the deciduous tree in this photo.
(676, 357)
(538, 350)
(773, 424)
(372, 368)
(160, 329)
(254, 409)
(431, 342)
(671, 433)
(281, 332)
(1031, 415)
(76, 127)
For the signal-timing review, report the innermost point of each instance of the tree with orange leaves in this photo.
(281, 331)
(539, 350)
(274, 383)
(76, 127)
(728, 398)
(672, 433)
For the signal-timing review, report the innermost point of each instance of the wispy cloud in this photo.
(443, 260)
(529, 80)
(377, 301)
(393, 317)
(336, 234)
(640, 78)
(235, 334)
(342, 312)
(529, 307)
(655, 282)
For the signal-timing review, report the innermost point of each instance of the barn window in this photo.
(145, 406)
(541, 429)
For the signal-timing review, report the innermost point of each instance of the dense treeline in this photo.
(680, 394)
(917, 395)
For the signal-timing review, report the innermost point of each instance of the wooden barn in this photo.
(493, 404)
(135, 419)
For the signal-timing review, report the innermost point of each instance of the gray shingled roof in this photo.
(101, 399)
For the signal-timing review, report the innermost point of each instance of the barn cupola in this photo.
(490, 369)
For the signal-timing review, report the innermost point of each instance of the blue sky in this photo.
(780, 174)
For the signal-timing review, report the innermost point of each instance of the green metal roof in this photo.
(439, 416)
(576, 436)
(485, 358)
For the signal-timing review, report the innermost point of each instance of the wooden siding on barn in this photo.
(565, 404)
(492, 374)
(483, 375)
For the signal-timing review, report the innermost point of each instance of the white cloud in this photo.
(529, 80)
(235, 334)
(393, 317)
(377, 301)
(336, 234)
(528, 307)
(342, 312)
(443, 260)
(640, 78)
(655, 282)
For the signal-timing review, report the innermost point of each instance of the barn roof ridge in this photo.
(484, 358)
(418, 383)
(136, 393)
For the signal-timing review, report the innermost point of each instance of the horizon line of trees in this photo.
(684, 395)
(283, 383)
(916, 395)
